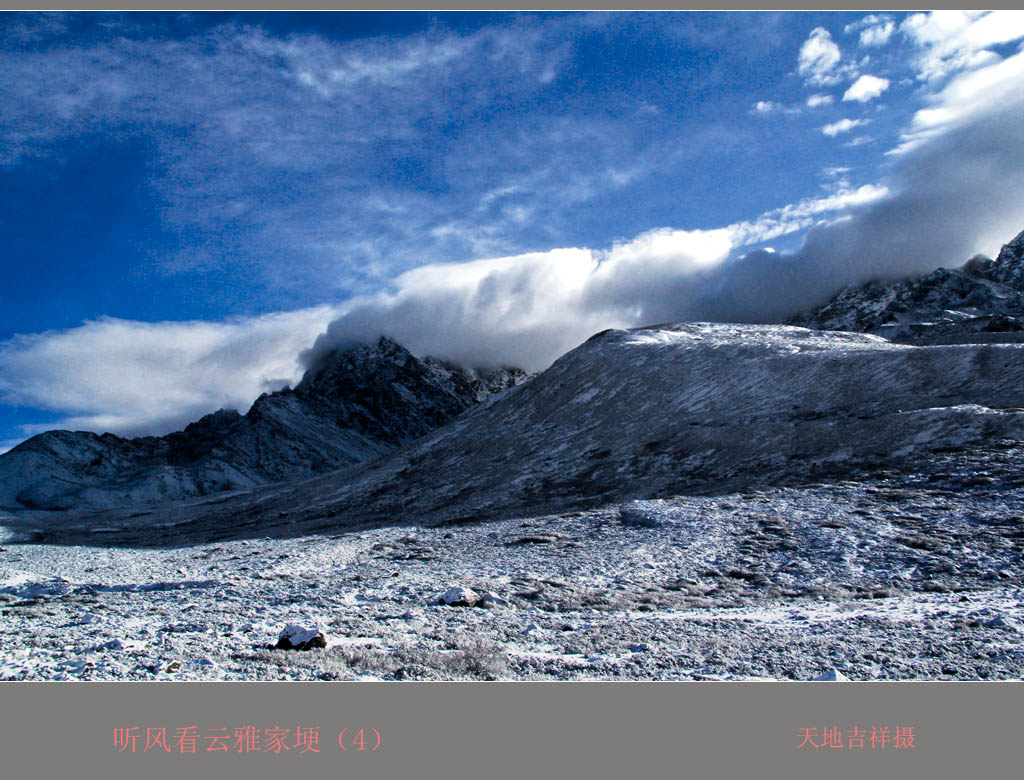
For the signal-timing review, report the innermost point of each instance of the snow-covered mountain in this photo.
(647, 413)
(982, 301)
(355, 405)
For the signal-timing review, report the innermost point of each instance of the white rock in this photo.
(1001, 621)
(490, 600)
(459, 596)
(832, 675)
(296, 637)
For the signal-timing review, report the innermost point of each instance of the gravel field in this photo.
(913, 574)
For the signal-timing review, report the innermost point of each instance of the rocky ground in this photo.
(908, 574)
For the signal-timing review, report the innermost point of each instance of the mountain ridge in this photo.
(360, 403)
(759, 418)
(685, 409)
(981, 301)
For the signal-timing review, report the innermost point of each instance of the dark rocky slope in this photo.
(980, 302)
(646, 413)
(357, 404)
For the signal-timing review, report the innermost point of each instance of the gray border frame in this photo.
(506, 730)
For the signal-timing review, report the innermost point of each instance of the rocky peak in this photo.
(983, 296)
(1008, 267)
(478, 383)
(214, 424)
(357, 361)
(383, 390)
(354, 404)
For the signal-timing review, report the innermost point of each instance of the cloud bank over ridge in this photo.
(956, 188)
(939, 208)
(136, 378)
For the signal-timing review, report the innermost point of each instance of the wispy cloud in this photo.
(802, 215)
(842, 126)
(873, 30)
(951, 41)
(268, 149)
(965, 98)
(36, 27)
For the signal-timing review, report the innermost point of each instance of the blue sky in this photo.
(190, 200)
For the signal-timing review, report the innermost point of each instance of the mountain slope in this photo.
(356, 405)
(982, 301)
(651, 412)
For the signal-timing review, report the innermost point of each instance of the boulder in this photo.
(458, 596)
(832, 675)
(489, 600)
(296, 637)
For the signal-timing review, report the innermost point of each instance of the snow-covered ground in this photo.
(909, 574)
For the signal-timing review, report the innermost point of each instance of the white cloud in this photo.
(952, 41)
(765, 107)
(819, 100)
(799, 216)
(819, 56)
(966, 98)
(528, 309)
(874, 30)
(519, 310)
(878, 35)
(842, 126)
(866, 88)
(134, 377)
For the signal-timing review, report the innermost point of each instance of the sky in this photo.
(196, 205)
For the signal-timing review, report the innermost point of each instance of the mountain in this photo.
(982, 301)
(645, 413)
(640, 413)
(353, 406)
